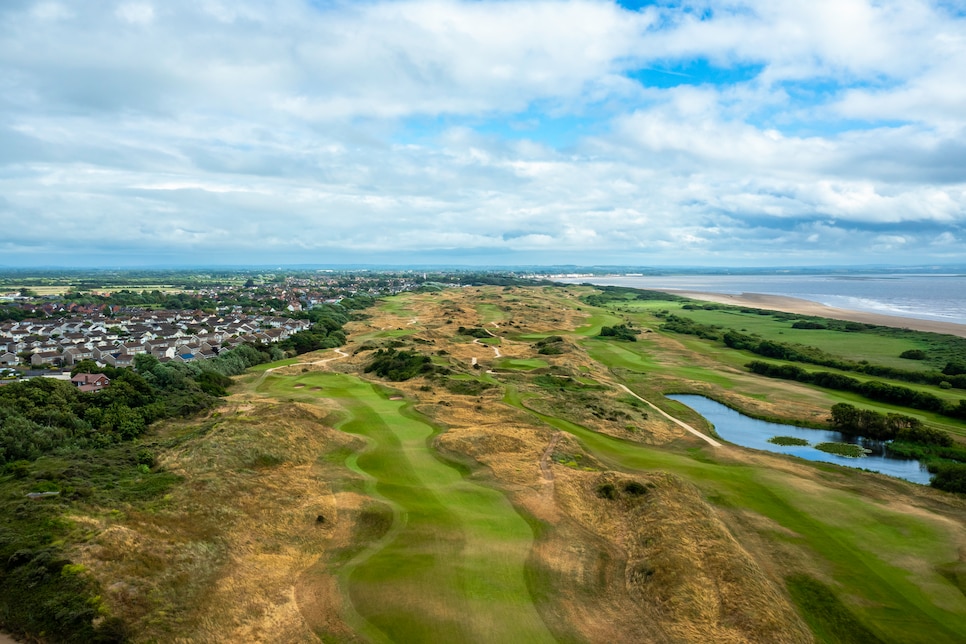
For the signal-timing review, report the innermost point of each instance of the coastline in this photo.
(807, 307)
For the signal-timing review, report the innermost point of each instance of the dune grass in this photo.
(860, 541)
(452, 567)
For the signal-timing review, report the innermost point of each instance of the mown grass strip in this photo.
(861, 541)
(453, 570)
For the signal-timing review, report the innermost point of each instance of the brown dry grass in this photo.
(236, 552)
(222, 560)
(703, 585)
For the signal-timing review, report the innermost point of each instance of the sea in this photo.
(940, 297)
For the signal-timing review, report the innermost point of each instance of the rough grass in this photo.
(413, 547)
(829, 618)
(863, 542)
(452, 568)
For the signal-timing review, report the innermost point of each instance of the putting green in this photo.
(451, 569)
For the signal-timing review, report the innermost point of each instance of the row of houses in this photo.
(167, 335)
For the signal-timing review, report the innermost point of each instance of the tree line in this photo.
(907, 438)
(871, 389)
(954, 373)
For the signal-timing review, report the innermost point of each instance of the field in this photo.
(61, 289)
(512, 495)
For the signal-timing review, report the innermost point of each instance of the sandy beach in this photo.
(806, 307)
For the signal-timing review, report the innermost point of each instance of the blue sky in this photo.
(750, 133)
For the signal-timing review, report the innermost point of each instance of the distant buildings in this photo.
(167, 335)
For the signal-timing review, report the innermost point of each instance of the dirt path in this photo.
(707, 439)
(496, 350)
(342, 354)
(545, 468)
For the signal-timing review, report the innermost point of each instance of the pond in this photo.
(742, 430)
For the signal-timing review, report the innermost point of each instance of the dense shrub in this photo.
(551, 345)
(619, 332)
(950, 477)
(872, 389)
(399, 365)
(607, 491)
(954, 373)
(474, 332)
(913, 354)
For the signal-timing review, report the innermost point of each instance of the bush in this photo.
(474, 332)
(551, 345)
(913, 354)
(399, 365)
(634, 488)
(950, 477)
(607, 491)
(619, 332)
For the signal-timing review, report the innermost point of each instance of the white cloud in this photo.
(425, 125)
(139, 13)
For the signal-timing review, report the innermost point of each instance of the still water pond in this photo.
(750, 432)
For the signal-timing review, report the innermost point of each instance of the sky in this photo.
(731, 133)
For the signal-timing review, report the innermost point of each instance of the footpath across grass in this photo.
(864, 545)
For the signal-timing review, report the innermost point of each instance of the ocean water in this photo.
(927, 297)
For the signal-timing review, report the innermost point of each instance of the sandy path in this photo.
(707, 439)
(342, 354)
(6, 639)
(807, 307)
(496, 350)
(545, 458)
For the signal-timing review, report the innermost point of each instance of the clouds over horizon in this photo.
(716, 133)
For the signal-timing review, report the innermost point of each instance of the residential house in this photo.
(118, 359)
(90, 381)
(46, 358)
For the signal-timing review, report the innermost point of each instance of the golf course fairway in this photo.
(860, 541)
(451, 567)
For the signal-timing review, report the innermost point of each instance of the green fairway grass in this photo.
(876, 348)
(490, 313)
(452, 568)
(863, 544)
(521, 364)
(598, 319)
